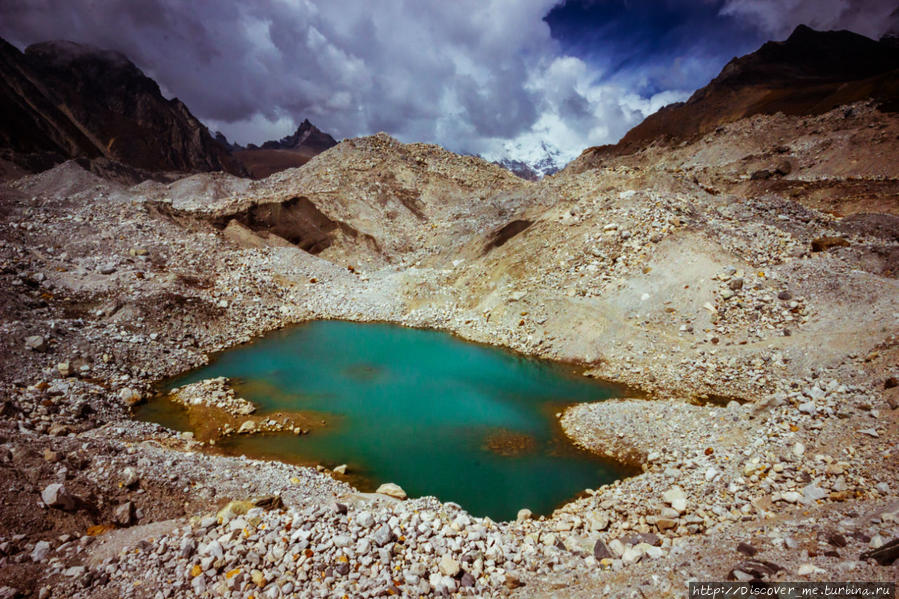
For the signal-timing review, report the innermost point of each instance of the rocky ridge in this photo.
(64, 100)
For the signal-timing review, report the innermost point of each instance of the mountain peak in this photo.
(306, 137)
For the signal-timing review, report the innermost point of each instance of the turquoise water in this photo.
(417, 408)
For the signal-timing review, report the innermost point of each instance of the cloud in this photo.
(777, 18)
(468, 74)
(476, 76)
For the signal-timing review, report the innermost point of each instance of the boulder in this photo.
(129, 396)
(55, 495)
(392, 490)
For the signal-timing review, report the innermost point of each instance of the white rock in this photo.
(392, 490)
(365, 519)
(341, 541)
(55, 495)
(448, 566)
(806, 569)
(791, 496)
(597, 520)
(673, 493)
(40, 551)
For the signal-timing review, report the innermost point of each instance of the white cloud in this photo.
(472, 75)
(467, 74)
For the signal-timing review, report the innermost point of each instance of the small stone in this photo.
(597, 520)
(382, 535)
(747, 549)
(36, 343)
(808, 408)
(340, 469)
(806, 569)
(791, 496)
(736, 284)
(55, 495)
(248, 426)
(448, 566)
(365, 519)
(123, 514)
(64, 369)
(392, 490)
(666, 523)
(341, 541)
(524, 514)
(673, 493)
(258, 578)
(129, 477)
(107, 269)
(467, 580)
(40, 551)
(601, 550)
(813, 492)
(631, 554)
(798, 449)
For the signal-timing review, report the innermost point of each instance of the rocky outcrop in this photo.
(62, 100)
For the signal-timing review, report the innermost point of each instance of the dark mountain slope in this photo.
(63, 100)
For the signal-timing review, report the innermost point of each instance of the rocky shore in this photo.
(767, 440)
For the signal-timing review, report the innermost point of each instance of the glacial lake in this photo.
(437, 415)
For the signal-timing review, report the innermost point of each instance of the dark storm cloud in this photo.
(489, 76)
(777, 18)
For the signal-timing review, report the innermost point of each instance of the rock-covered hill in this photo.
(810, 73)
(288, 152)
(366, 201)
(62, 100)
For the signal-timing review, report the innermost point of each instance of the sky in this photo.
(489, 77)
